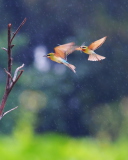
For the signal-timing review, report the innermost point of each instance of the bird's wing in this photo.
(72, 67)
(97, 44)
(64, 50)
(71, 49)
(78, 48)
(59, 53)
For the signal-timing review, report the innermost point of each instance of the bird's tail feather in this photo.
(72, 67)
(95, 57)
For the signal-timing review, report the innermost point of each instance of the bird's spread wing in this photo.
(97, 44)
(64, 50)
(59, 53)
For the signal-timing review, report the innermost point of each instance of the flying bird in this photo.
(61, 53)
(90, 50)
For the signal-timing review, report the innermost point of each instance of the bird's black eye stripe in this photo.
(84, 47)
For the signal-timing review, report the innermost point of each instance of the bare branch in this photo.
(9, 56)
(4, 49)
(16, 72)
(9, 111)
(16, 76)
(14, 34)
(19, 75)
(12, 45)
(9, 74)
(10, 82)
(2, 105)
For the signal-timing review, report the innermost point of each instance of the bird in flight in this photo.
(90, 50)
(60, 54)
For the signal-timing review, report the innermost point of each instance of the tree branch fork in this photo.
(11, 80)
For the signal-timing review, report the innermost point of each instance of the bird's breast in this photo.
(56, 59)
(83, 50)
(87, 51)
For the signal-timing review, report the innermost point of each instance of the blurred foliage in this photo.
(52, 146)
(93, 102)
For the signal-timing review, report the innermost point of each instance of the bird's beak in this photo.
(44, 55)
(79, 49)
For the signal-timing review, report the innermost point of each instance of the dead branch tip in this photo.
(4, 49)
(8, 111)
(9, 25)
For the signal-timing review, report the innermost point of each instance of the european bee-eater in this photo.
(61, 53)
(90, 50)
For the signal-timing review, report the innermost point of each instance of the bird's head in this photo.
(81, 48)
(49, 55)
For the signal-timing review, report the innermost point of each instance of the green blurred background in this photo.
(63, 116)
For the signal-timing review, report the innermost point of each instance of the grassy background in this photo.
(59, 147)
(25, 144)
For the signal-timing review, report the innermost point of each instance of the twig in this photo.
(10, 81)
(9, 56)
(8, 112)
(16, 72)
(4, 49)
(9, 74)
(16, 76)
(14, 34)
(11, 86)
